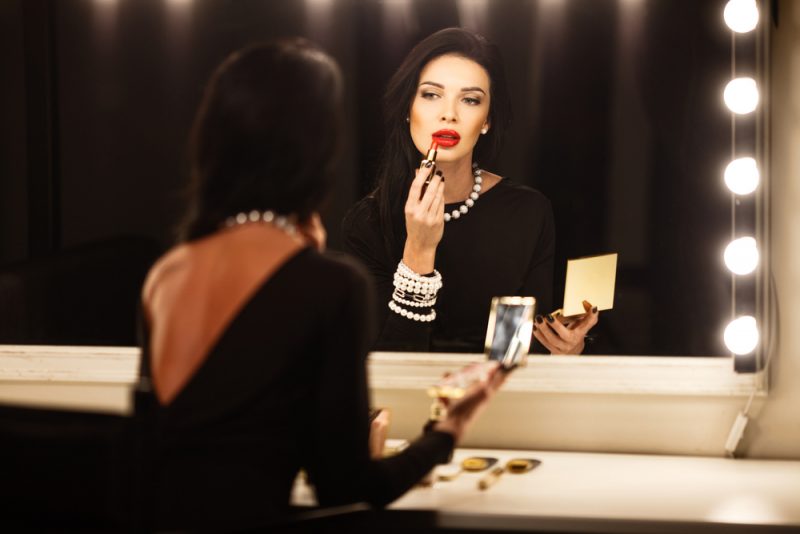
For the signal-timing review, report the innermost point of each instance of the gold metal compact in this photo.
(515, 466)
(473, 464)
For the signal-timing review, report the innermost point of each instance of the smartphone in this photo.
(510, 328)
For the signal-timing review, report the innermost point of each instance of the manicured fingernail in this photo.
(594, 310)
(440, 173)
(550, 319)
(428, 164)
(534, 328)
(539, 319)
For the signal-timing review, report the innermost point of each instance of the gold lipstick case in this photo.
(429, 157)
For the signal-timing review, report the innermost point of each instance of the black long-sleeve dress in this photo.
(283, 388)
(503, 246)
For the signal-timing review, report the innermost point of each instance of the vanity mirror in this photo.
(618, 119)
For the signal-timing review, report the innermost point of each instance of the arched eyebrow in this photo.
(463, 89)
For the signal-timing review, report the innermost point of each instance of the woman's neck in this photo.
(458, 179)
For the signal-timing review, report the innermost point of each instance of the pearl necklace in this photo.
(270, 217)
(473, 196)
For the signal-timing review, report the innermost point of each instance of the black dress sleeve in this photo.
(363, 239)
(339, 465)
(539, 277)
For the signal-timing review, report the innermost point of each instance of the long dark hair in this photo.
(400, 157)
(265, 135)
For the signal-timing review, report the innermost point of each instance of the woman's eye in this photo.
(429, 95)
(472, 101)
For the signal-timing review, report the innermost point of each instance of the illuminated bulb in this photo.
(741, 335)
(741, 15)
(741, 95)
(741, 176)
(741, 255)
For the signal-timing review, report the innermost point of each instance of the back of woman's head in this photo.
(265, 135)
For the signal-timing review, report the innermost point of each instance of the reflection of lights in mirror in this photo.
(741, 95)
(741, 255)
(319, 14)
(741, 335)
(741, 16)
(741, 176)
(472, 12)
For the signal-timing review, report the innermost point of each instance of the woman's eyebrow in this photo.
(440, 86)
(463, 89)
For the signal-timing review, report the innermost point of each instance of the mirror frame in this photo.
(751, 215)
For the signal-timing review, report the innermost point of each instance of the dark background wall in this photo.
(618, 120)
(13, 171)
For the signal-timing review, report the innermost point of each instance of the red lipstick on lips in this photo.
(446, 138)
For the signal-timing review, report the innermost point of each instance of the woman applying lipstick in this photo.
(254, 342)
(439, 253)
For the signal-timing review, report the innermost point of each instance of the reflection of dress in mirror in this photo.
(484, 235)
(255, 342)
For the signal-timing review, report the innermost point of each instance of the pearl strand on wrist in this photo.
(420, 289)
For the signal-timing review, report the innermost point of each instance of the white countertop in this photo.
(616, 487)
(625, 487)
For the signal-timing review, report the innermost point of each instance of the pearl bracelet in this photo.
(411, 315)
(407, 280)
(399, 297)
(412, 287)
(422, 291)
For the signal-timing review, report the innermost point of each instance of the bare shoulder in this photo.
(173, 260)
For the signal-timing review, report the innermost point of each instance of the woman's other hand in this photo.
(565, 338)
(461, 413)
(313, 231)
(378, 431)
(424, 214)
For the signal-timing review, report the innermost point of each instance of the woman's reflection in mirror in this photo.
(439, 252)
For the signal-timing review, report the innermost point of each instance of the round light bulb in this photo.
(741, 95)
(741, 255)
(741, 176)
(741, 335)
(741, 16)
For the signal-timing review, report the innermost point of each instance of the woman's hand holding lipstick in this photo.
(424, 212)
(313, 231)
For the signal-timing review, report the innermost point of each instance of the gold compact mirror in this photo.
(590, 279)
